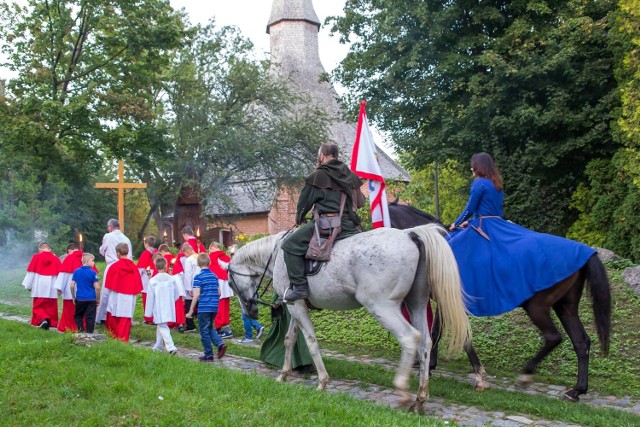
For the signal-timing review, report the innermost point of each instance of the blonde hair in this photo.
(87, 258)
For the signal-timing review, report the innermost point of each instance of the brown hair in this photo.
(161, 263)
(122, 249)
(329, 149)
(204, 260)
(483, 166)
(150, 240)
(163, 248)
(72, 246)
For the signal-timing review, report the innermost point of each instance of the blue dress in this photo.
(503, 264)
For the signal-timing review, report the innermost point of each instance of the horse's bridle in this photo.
(257, 295)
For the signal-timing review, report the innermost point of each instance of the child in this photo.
(180, 312)
(162, 293)
(122, 284)
(190, 268)
(72, 261)
(147, 270)
(40, 280)
(85, 291)
(219, 265)
(205, 294)
(250, 323)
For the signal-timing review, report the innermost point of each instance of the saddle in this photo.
(312, 267)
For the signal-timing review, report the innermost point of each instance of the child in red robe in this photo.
(147, 270)
(40, 280)
(71, 263)
(219, 265)
(122, 285)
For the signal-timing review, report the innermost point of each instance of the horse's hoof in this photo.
(571, 396)
(480, 387)
(417, 408)
(405, 398)
(322, 385)
(281, 378)
(525, 379)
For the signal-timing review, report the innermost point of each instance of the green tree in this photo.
(231, 121)
(531, 82)
(453, 188)
(608, 201)
(86, 70)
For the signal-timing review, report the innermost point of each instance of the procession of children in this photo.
(175, 290)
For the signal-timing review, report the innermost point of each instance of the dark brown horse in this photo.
(563, 298)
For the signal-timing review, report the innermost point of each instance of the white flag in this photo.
(364, 162)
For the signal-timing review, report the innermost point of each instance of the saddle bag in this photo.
(325, 230)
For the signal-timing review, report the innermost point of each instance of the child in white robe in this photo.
(162, 293)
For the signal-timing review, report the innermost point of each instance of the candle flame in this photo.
(198, 232)
(173, 261)
(80, 237)
(165, 233)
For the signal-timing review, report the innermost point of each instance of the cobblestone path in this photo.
(461, 414)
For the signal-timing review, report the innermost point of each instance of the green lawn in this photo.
(48, 380)
(504, 343)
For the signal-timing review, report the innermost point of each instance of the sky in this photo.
(254, 24)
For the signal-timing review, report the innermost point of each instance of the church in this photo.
(258, 206)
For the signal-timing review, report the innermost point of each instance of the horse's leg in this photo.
(540, 316)
(435, 336)
(300, 312)
(390, 317)
(289, 342)
(568, 314)
(417, 312)
(478, 369)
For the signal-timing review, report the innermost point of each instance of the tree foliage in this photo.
(608, 202)
(231, 120)
(85, 71)
(531, 82)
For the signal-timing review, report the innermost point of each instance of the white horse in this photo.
(379, 270)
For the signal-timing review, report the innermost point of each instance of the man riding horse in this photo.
(323, 192)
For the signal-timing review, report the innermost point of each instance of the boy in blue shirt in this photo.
(85, 291)
(206, 295)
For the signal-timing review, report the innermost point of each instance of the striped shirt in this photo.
(207, 282)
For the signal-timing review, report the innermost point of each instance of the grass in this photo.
(504, 344)
(55, 382)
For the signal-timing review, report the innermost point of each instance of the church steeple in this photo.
(292, 10)
(293, 29)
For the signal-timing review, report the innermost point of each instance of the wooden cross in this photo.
(120, 186)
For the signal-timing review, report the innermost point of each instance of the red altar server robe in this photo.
(71, 263)
(123, 284)
(145, 265)
(197, 246)
(41, 276)
(219, 265)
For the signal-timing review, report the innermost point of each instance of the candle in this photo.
(80, 240)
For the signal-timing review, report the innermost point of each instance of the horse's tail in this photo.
(600, 291)
(446, 288)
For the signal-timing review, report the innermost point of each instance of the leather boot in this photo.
(296, 292)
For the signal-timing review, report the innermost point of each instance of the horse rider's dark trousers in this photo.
(295, 248)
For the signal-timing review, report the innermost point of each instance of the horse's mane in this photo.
(414, 211)
(256, 252)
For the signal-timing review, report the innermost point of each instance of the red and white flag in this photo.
(364, 162)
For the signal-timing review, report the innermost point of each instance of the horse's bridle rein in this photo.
(257, 295)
